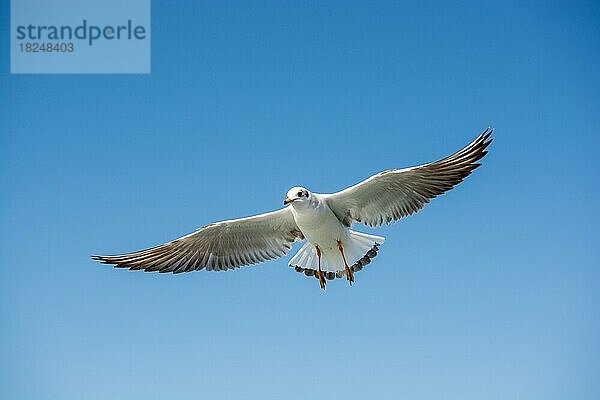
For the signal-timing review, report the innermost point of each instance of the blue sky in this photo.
(490, 292)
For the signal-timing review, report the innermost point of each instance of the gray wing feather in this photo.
(219, 246)
(394, 194)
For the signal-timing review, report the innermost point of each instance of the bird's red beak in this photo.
(288, 201)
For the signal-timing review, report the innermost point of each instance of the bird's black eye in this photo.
(299, 194)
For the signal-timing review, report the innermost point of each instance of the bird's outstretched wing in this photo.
(219, 246)
(391, 195)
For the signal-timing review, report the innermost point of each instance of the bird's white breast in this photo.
(319, 224)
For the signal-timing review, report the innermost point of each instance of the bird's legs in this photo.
(349, 273)
(320, 273)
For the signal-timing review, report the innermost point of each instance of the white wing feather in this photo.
(219, 246)
(391, 195)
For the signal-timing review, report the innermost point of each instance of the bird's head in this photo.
(297, 195)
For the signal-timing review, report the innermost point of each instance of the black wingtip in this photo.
(487, 134)
(102, 260)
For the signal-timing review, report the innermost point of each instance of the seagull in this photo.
(331, 249)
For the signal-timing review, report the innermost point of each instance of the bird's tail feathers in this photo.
(359, 249)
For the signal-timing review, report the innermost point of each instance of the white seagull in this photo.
(331, 249)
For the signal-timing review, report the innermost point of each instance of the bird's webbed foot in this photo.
(320, 274)
(349, 273)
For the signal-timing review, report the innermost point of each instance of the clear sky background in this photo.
(490, 292)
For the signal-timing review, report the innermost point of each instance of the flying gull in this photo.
(331, 250)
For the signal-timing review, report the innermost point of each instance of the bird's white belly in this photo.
(320, 227)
